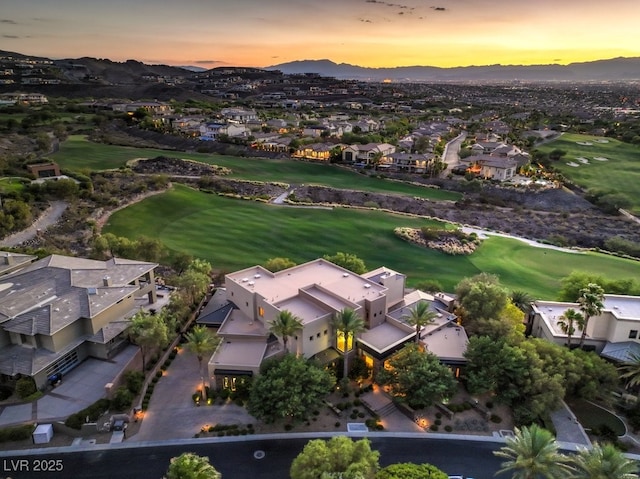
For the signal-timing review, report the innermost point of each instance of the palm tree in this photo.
(631, 370)
(591, 304)
(285, 325)
(347, 323)
(201, 343)
(533, 453)
(603, 462)
(420, 316)
(522, 300)
(568, 321)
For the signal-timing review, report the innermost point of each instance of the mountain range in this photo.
(615, 69)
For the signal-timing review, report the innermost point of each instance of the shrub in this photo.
(288, 427)
(448, 428)
(489, 404)
(122, 399)
(337, 424)
(159, 374)
(25, 387)
(5, 392)
(379, 427)
(433, 428)
(438, 415)
(16, 433)
(496, 419)
(437, 422)
(134, 381)
(93, 412)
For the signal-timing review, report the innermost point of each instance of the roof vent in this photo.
(345, 275)
(251, 283)
(92, 291)
(244, 280)
(367, 286)
(256, 276)
(106, 281)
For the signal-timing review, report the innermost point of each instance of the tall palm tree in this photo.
(568, 322)
(603, 462)
(201, 343)
(348, 323)
(285, 325)
(591, 304)
(631, 370)
(420, 316)
(532, 454)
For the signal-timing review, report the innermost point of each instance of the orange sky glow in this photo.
(372, 33)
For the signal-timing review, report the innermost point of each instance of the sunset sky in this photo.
(372, 33)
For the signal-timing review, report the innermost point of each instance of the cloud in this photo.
(6, 20)
(207, 62)
(439, 9)
(365, 20)
(10, 36)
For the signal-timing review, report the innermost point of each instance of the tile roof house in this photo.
(315, 292)
(59, 310)
(366, 153)
(614, 334)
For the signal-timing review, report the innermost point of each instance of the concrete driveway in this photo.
(80, 388)
(172, 413)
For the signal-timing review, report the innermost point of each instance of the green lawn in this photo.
(77, 154)
(234, 234)
(620, 174)
(12, 184)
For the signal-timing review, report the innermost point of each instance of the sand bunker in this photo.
(583, 160)
(600, 158)
(603, 141)
(584, 143)
(571, 163)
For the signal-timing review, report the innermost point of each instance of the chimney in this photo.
(106, 281)
(8, 259)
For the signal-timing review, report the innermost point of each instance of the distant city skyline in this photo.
(371, 33)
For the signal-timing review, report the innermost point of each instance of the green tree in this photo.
(408, 470)
(201, 343)
(289, 388)
(347, 324)
(150, 249)
(603, 462)
(338, 457)
(631, 371)
(421, 316)
(568, 322)
(191, 466)
(591, 304)
(417, 378)
(285, 325)
(348, 261)
(278, 264)
(481, 297)
(533, 454)
(149, 331)
(574, 282)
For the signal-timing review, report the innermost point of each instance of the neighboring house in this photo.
(315, 151)
(59, 310)
(11, 262)
(366, 153)
(239, 115)
(316, 131)
(44, 170)
(152, 107)
(212, 131)
(409, 162)
(500, 169)
(614, 334)
(315, 292)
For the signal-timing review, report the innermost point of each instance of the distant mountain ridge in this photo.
(622, 68)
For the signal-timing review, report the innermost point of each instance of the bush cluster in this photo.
(16, 433)
(93, 412)
(25, 387)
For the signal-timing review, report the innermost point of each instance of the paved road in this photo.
(235, 460)
(50, 216)
(450, 155)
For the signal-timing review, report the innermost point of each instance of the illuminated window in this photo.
(261, 311)
(344, 344)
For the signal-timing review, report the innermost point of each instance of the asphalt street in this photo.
(235, 460)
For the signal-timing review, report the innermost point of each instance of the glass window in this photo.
(633, 334)
(344, 344)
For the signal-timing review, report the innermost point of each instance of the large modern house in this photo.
(614, 334)
(315, 292)
(59, 310)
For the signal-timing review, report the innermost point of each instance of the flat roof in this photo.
(551, 312)
(448, 343)
(275, 287)
(304, 309)
(238, 323)
(239, 354)
(384, 336)
(623, 307)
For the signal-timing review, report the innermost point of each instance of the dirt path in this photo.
(104, 217)
(50, 216)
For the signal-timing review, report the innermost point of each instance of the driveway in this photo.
(172, 413)
(80, 388)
